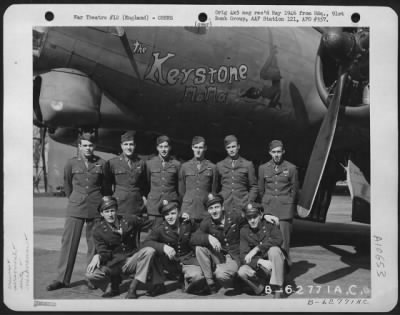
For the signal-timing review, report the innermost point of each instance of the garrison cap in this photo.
(168, 205)
(198, 139)
(229, 139)
(128, 136)
(88, 136)
(162, 139)
(252, 209)
(274, 144)
(213, 199)
(108, 202)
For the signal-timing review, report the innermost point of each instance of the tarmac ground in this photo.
(329, 260)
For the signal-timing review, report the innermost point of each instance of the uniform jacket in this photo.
(228, 234)
(238, 184)
(195, 185)
(278, 189)
(129, 183)
(85, 186)
(165, 234)
(266, 236)
(113, 247)
(163, 182)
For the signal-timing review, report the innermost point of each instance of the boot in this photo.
(157, 290)
(55, 285)
(113, 287)
(132, 290)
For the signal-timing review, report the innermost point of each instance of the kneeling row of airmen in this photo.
(224, 249)
(88, 178)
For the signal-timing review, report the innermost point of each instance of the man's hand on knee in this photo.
(94, 264)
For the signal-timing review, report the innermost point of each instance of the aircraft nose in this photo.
(338, 44)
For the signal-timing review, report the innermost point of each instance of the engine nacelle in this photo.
(67, 96)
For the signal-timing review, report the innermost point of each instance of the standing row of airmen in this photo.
(185, 188)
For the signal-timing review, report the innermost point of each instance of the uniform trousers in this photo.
(70, 243)
(256, 279)
(212, 263)
(191, 273)
(141, 265)
(286, 227)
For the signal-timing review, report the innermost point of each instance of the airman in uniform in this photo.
(217, 244)
(171, 240)
(128, 177)
(116, 251)
(162, 175)
(237, 179)
(197, 178)
(85, 184)
(260, 253)
(278, 186)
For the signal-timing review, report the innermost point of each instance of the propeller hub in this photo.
(339, 45)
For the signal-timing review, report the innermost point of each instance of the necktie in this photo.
(233, 163)
(198, 166)
(129, 163)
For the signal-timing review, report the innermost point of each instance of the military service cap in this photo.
(168, 205)
(229, 139)
(213, 199)
(162, 139)
(274, 144)
(198, 139)
(252, 209)
(108, 202)
(128, 136)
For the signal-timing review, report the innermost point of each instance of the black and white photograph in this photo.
(201, 158)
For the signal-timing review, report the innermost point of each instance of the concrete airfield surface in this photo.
(330, 260)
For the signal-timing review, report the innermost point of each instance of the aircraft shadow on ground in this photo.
(354, 261)
(299, 268)
(327, 234)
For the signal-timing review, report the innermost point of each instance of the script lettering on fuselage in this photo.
(195, 79)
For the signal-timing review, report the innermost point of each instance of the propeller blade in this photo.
(320, 152)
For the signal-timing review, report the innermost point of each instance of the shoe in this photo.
(278, 294)
(158, 289)
(132, 290)
(111, 291)
(131, 294)
(55, 285)
(212, 289)
(194, 287)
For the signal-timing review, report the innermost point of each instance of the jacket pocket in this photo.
(267, 199)
(77, 170)
(119, 171)
(77, 198)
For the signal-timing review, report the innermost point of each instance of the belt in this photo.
(126, 188)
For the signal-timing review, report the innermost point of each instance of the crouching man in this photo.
(260, 253)
(171, 240)
(117, 252)
(217, 244)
